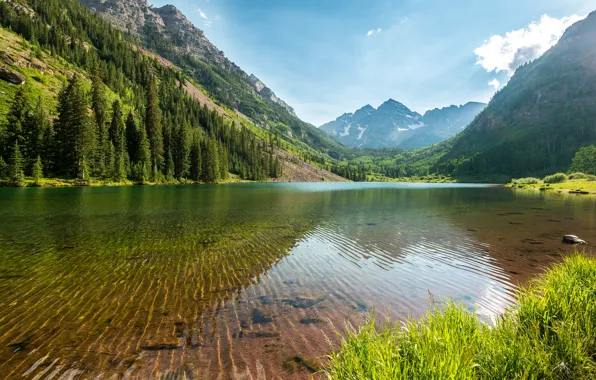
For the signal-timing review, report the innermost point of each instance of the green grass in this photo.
(550, 334)
(579, 186)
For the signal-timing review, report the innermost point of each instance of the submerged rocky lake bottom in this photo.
(256, 281)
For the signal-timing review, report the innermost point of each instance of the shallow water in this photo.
(236, 281)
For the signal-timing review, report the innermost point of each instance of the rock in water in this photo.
(572, 239)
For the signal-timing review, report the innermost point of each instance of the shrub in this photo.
(555, 178)
(585, 160)
(578, 175)
(591, 177)
(526, 181)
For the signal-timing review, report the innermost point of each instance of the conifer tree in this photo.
(37, 172)
(154, 127)
(132, 135)
(3, 168)
(17, 176)
(143, 156)
(74, 136)
(15, 122)
(99, 105)
(195, 161)
(117, 139)
(223, 163)
(37, 126)
(210, 170)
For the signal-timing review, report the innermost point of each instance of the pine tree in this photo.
(3, 168)
(37, 127)
(154, 127)
(195, 162)
(181, 151)
(132, 135)
(99, 105)
(37, 172)
(117, 141)
(15, 122)
(17, 176)
(223, 163)
(110, 167)
(74, 136)
(143, 156)
(210, 170)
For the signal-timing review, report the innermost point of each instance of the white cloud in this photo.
(495, 83)
(507, 53)
(373, 31)
(203, 15)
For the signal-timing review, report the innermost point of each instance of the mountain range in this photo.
(532, 126)
(393, 124)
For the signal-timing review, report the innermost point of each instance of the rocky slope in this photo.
(395, 125)
(541, 118)
(139, 18)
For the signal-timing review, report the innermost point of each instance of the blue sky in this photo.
(327, 57)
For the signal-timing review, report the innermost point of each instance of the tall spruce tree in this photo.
(195, 161)
(15, 122)
(154, 128)
(132, 135)
(17, 177)
(210, 170)
(99, 104)
(74, 134)
(117, 139)
(37, 126)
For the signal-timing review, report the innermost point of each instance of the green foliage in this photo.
(548, 335)
(555, 178)
(163, 122)
(578, 175)
(37, 172)
(3, 168)
(526, 181)
(585, 160)
(17, 177)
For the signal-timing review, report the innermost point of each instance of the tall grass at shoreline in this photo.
(549, 334)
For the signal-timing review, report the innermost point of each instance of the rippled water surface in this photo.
(252, 280)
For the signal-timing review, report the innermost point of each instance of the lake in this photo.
(253, 280)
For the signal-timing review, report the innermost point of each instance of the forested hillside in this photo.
(537, 123)
(94, 106)
(168, 33)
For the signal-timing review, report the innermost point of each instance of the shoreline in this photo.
(450, 342)
(577, 187)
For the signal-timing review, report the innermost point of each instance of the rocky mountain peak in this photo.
(394, 125)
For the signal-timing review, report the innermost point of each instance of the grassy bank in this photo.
(550, 334)
(576, 183)
(579, 186)
(62, 182)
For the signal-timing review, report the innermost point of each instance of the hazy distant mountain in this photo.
(395, 125)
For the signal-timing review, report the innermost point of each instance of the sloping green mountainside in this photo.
(230, 88)
(143, 126)
(537, 123)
